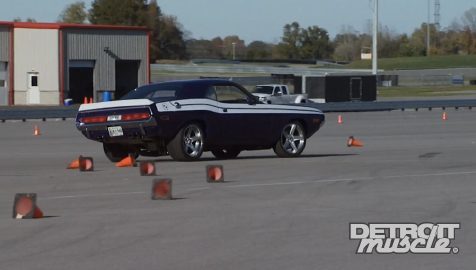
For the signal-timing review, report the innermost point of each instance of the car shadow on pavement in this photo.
(207, 159)
(301, 156)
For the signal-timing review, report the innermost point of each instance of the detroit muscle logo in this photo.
(401, 238)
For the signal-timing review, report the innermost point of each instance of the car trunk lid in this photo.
(115, 104)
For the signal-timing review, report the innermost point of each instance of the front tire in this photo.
(187, 145)
(292, 141)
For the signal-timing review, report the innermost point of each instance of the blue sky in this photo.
(264, 19)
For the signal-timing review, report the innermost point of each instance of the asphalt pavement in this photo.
(271, 213)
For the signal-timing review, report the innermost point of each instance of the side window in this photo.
(210, 93)
(230, 94)
(163, 94)
(285, 90)
(156, 93)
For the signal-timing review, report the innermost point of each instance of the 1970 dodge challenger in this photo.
(185, 118)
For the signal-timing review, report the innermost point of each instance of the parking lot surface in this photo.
(271, 213)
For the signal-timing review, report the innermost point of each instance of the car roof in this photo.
(195, 81)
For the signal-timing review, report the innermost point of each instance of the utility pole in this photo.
(374, 39)
(437, 15)
(436, 38)
(428, 31)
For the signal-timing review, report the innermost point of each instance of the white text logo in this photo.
(404, 238)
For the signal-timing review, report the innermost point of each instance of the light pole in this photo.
(428, 31)
(233, 44)
(374, 39)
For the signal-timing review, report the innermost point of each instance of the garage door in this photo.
(81, 76)
(3, 84)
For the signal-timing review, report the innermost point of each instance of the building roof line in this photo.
(45, 25)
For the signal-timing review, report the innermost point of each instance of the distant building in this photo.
(46, 63)
(366, 53)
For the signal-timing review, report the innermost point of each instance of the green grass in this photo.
(446, 61)
(427, 91)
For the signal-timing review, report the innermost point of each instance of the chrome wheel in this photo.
(187, 145)
(193, 141)
(292, 140)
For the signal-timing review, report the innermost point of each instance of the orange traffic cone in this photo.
(86, 164)
(339, 119)
(129, 161)
(85, 100)
(353, 142)
(25, 206)
(36, 131)
(37, 213)
(147, 168)
(444, 117)
(215, 174)
(91, 100)
(74, 164)
(161, 189)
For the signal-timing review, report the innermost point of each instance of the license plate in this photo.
(114, 117)
(115, 131)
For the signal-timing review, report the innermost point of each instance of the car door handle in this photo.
(225, 110)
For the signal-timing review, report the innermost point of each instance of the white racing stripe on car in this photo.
(115, 104)
(214, 106)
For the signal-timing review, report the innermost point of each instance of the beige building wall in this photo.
(37, 51)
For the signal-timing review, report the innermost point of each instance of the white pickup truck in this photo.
(277, 94)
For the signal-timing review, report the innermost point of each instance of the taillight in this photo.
(112, 118)
(93, 119)
(135, 116)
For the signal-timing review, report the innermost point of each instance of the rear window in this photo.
(263, 89)
(167, 91)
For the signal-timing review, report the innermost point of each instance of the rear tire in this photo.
(292, 141)
(226, 153)
(187, 145)
(116, 152)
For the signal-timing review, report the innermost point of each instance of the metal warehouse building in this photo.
(46, 63)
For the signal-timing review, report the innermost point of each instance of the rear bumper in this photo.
(133, 132)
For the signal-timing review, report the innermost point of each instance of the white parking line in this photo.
(317, 181)
(301, 182)
(429, 174)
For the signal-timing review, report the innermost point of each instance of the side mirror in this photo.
(278, 93)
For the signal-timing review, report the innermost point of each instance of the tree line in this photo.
(170, 41)
(458, 38)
